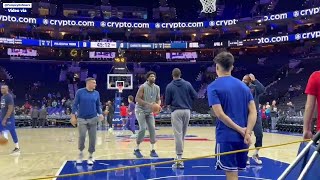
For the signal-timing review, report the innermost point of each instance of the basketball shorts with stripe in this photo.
(231, 162)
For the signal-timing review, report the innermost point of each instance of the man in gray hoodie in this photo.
(179, 97)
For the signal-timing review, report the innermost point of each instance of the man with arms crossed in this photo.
(147, 95)
(88, 107)
(233, 104)
(179, 96)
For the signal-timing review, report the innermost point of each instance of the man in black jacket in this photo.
(34, 116)
(110, 115)
(257, 89)
(42, 116)
(179, 97)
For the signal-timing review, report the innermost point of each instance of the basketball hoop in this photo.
(120, 89)
(208, 6)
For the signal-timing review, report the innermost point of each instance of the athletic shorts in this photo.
(231, 162)
(10, 124)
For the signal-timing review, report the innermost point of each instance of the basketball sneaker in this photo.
(137, 153)
(153, 153)
(16, 151)
(256, 159)
(90, 161)
(133, 136)
(178, 165)
(79, 160)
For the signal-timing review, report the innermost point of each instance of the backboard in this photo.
(114, 80)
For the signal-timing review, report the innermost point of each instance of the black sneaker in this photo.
(16, 151)
(137, 153)
(153, 153)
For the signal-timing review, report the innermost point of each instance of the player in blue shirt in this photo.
(233, 104)
(7, 117)
(86, 112)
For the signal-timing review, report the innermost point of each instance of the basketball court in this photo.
(53, 151)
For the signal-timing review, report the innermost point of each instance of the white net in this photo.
(208, 6)
(120, 88)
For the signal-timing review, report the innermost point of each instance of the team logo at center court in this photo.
(45, 21)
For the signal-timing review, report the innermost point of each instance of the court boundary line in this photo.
(60, 169)
(167, 162)
(190, 175)
(162, 158)
(217, 175)
(98, 157)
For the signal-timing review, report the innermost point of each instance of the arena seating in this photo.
(49, 75)
(293, 78)
(61, 120)
(290, 124)
(293, 124)
(197, 119)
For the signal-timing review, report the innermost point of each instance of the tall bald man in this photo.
(257, 89)
(147, 95)
(86, 111)
(7, 117)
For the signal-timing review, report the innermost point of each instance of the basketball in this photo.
(3, 140)
(156, 108)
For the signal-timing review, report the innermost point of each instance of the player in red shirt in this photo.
(124, 114)
(313, 96)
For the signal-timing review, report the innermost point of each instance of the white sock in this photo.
(5, 134)
(91, 155)
(137, 147)
(17, 145)
(256, 152)
(152, 146)
(179, 157)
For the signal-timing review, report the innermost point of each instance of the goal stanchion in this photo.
(117, 121)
